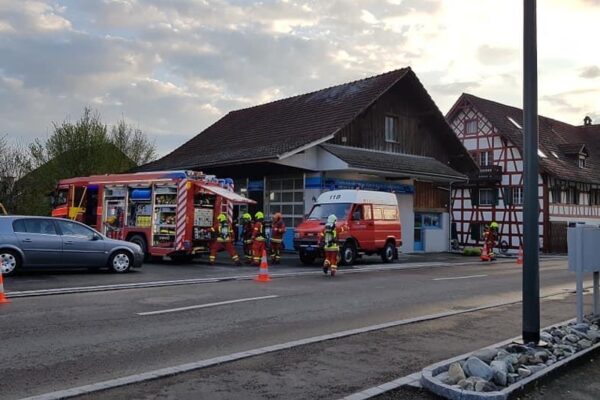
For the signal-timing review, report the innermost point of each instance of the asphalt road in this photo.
(56, 342)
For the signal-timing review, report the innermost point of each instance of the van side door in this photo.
(362, 226)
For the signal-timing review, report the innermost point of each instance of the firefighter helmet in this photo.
(259, 215)
(222, 217)
(277, 217)
(494, 225)
(331, 219)
(246, 217)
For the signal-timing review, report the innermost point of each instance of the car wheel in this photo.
(348, 253)
(120, 262)
(307, 259)
(140, 241)
(387, 254)
(9, 262)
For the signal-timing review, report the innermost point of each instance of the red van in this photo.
(371, 219)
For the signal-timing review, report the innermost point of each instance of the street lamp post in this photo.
(531, 241)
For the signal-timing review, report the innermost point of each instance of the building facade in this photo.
(381, 133)
(568, 184)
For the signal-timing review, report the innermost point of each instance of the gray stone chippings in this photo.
(474, 367)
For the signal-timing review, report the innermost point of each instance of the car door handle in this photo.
(68, 242)
(27, 240)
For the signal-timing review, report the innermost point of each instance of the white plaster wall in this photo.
(437, 240)
(407, 219)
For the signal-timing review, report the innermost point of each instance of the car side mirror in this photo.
(96, 237)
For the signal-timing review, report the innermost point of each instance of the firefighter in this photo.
(277, 231)
(328, 238)
(223, 240)
(258, 237)
(247, 229)
(489, 240)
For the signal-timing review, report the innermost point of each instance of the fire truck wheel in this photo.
(9, 262)
(120, 262)
(140, 241)
(387, 254)
(348, 253)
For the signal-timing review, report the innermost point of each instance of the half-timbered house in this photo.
(380, 133)
(569, 180)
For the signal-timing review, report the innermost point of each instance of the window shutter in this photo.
(507, 195)
(474, 196)
(475, 231)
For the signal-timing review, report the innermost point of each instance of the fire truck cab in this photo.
(167, 213)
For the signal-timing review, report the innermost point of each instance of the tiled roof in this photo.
(556, 138)
(267, 131)
(403, 164)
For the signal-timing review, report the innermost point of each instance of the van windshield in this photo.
(322, 211)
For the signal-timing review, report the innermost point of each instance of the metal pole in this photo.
(531, 282)
(596, 294)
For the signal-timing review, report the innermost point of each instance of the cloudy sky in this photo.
(173, 67)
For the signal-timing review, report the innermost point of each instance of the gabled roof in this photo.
(268, 131)
(556, 139)
(398, 164)
(573, 149)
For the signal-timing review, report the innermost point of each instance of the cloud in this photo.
(174, 67)
(590, 72)
(496, 55)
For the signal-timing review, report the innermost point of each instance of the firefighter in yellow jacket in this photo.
(223, 240)
(329, 240)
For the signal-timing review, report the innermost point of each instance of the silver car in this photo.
(55, 242)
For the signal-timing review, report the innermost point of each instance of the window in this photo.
(390, 213)
(486, 158)
(286, 195)
(362, 212)
(35, 225)
(391, 129)
(73, 229)
(378, 213)
(432, 220)
(322, 211)
(517, 195)
(471, 127)
(581, 162)
(476, 231)
(487, 197)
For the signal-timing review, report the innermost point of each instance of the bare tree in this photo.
(133, 142)
(15, 163)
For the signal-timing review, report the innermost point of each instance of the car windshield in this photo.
(322, 211)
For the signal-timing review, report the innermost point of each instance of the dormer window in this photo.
(581, 161)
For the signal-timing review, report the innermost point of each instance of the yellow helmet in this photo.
(494, 225)
(222, 217)
(246, 217)
(259, 215)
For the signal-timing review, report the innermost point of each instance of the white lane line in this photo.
(220, 303)
(459, 277)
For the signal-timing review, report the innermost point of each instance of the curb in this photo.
(195, 281)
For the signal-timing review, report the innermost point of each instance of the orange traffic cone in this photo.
(485, 255)
(263, 272)
(3, 298)
(520, 256)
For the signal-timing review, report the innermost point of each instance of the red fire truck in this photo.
(166, 213)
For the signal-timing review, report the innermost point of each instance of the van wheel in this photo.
(120, 262)
(307, 259)
(387, 254)
(348, 253)
(141, 241)
(9, 262)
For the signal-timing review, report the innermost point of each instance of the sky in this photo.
(173, 67)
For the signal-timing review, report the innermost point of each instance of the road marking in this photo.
(459, 277)
(220, 303)
(193, 366)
